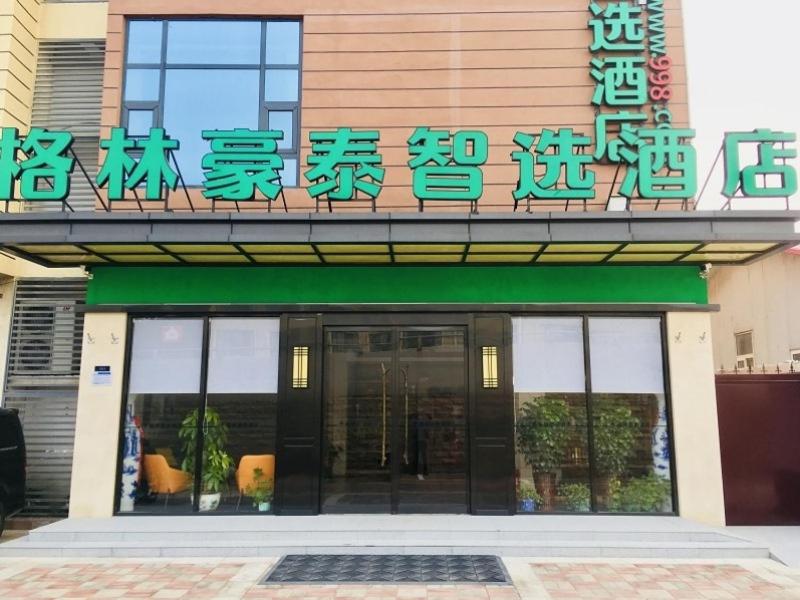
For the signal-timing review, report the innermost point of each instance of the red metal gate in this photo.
(759, 423)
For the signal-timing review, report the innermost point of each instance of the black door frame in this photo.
(397, 408)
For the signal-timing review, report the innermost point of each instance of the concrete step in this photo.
(249, 535)
(376, 538)
(686, 550)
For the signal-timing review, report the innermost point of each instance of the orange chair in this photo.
(245, 474)
(163, 479)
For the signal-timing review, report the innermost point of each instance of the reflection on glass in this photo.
(289, 172)
(395, 433)
(431, 421)
(139, 122)
(144, 42)
(214, 42)
(357, 445)
(282, 120)
(628, 425)
(631, 438)
(238, 470)
(190, 108)
(283, 43)
(164, 387)
(550, 408)
(142, 85)
(281, 85)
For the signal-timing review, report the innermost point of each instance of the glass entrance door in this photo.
(395, 422)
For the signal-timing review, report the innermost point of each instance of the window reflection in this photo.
(189, 108)
(214, 42)
(630, 452)
(205, 74)
(237, 454)
(164, 386)
(550, 408)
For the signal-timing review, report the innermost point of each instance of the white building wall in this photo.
(763, 297)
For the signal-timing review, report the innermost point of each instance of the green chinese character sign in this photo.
(564, 157)
(39, 162)
(447, 166)
(121, 171)
(760, 180)
(242, 161)
(617, 28)
(344, 162)
(660, 164)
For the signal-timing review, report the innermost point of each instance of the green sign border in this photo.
(396, 285)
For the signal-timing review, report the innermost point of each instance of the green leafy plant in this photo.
(217, 464)
(528, 492)
(615, 430)
(642, 495)
(262, 488)
(576, 496)
(543, 432)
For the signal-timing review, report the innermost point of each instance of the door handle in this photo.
(384, 372)
(404, 372)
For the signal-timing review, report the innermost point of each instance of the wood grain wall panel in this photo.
(503, 67)
(18, 32)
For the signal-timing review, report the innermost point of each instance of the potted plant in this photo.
(261, 491)
(528, 497)
(577, 496)
(543, 433)
(217, 464)
(641, 495)
(615, 430)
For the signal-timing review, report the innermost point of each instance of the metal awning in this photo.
(591, 238)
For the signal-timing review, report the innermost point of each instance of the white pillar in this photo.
(695, 430)
(94, 464)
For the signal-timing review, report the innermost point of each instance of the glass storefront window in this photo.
(163, 387)
(241, 410)
(163, 430)
(171, 65)
(629, 413)
(604, 446)
(550, 409)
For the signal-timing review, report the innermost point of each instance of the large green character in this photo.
(622, 81)
(47, 162)
(45, 170)
(768, 165)
(120, 171)
(344, 162)
(608, 129)
(618, 28)
(242, 161)
(560, 153)
(10, 145)
(445, 170)
(660, 164)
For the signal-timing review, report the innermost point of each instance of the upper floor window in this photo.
(191, 75)
(744, 350)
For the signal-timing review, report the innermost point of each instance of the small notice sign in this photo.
(102, 375)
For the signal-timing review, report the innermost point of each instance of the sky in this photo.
(742, 74)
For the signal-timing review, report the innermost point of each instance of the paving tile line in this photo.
(243, 582)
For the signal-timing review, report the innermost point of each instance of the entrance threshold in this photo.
(242, 536)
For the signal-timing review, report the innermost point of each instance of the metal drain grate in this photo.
(390, 568)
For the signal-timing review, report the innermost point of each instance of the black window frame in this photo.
(348, 315)
(265, 107)
(590, 396)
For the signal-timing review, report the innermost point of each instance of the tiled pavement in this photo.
(534, 579)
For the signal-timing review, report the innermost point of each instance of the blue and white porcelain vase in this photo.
(131, 462)
(660, 444)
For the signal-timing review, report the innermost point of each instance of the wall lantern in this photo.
(490, 379)
(300, 367)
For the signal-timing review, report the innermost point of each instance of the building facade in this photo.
(418, 331)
